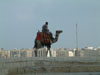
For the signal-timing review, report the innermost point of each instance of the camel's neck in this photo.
(57, 36)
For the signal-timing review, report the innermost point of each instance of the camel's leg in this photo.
(48, 49)
(37, 46)
(50, 53)
(35, 53)
(47, 52)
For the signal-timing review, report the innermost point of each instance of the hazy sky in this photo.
(21, 19)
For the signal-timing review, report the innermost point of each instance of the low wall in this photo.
(34, 65)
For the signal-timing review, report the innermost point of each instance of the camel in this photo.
(40, 44)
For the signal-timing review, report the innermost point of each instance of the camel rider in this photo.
(46, 30)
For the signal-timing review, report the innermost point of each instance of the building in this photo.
(15, 53)
(71, 54)
(61, 52)
(90, 51)
(26, 52)
(53, 53)
(87, 51)
(4, 53)
(58, 52)
(42, 52)
(78, 52)
(88, 48)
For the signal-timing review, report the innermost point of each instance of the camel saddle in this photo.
(43, 37)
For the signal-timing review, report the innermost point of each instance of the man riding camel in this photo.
(46, 36)
(45, 28)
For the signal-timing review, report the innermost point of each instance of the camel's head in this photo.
(58, 31)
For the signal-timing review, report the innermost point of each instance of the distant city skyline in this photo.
(21, 19)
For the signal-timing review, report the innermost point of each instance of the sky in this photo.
(21, 19)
